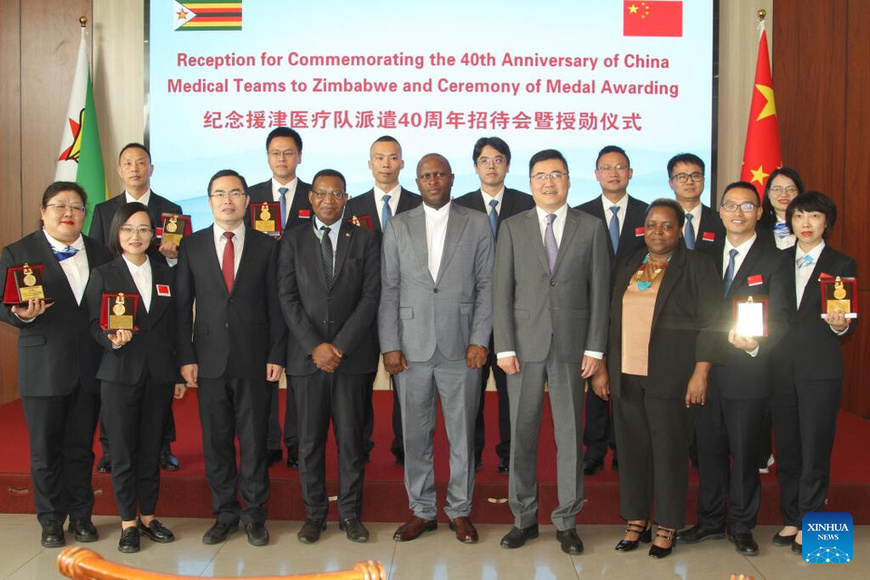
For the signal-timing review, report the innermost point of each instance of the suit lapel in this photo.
(675, 271)
(507, 206)
(567, 236)
(208, 243)
(823, 265)
(49, 260)
(534, 230)
(417, 234)
(405, 202)
(455, 226)
(159, 303)
(345, 237)
(752, 257)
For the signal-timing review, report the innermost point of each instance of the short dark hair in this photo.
(386, 139)
(612, 149)
(436, 156)
(59, 186)
(670, 204)
(546, 155)
(226, 173)
(121, 216)
(768, 217)
(285, 132)
(496, 143)
(741, 185)
(134, 145)
(813, 201)
(685, 158)
(329, 173)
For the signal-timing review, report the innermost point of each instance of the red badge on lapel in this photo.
(163, 290)
(755, 280)
(709, 237)
(305, 213)
(824, 276)
(638, 232)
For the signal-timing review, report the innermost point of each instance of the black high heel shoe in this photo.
(644, 535)
(666, 534)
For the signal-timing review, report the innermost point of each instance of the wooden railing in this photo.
(83, 564)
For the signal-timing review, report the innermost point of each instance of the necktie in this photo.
(67, 252)
(386, 213)
(282, 193)
(805, 261)
(493, 216)
(326, 254)
(614, 227)
(780, 230)
(550, 242)
(228, 266)
(690, 235)
(729, 271)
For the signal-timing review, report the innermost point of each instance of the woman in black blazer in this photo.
(662, 346)
(783, 185)
(137, 371)
(808, 368)
(57, 361)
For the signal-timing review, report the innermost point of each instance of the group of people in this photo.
(634, 300)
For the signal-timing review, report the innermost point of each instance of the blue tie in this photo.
(493, 216)
(614, 228)
(729, 271)
(282, 192)
(690, 236)
(69, 252)
(386, 213)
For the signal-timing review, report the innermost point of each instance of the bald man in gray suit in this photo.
(551, 294)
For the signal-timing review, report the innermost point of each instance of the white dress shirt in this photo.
(620, 215)
(220, 242)
(288, 197)
(394, 194)
(802, 275)
(436, 234)
(143, 200)
(144, 280)
(76, 268)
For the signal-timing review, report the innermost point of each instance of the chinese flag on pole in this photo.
(762, 153)
(652, 18)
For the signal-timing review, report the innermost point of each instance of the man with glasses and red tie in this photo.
(686, 177)
(236, 345)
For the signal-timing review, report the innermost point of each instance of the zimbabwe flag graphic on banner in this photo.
(208, 15)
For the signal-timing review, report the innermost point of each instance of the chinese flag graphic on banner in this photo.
(652, 18)
(762, 153)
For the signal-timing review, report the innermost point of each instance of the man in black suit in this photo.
(135, 170)
(492, 161)
(623, 216)
(239, 342)
(729, 427)
(284, 154)
(374, 208)
(329, 289)
(703, 226)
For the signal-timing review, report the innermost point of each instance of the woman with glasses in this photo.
(57, 362)
(808, 367)
(783, 185)
(138, 368)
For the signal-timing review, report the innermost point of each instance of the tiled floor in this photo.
(435, 555)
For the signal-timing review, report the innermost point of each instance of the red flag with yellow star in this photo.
(762, 153)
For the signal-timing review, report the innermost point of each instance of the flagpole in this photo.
(762, 14)
(83, 20)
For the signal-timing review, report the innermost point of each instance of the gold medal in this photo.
(172, 224)
(839, 291)
(265, 214)
(119, 308)
(29, 278)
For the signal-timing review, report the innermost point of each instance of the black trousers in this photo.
(291, 434)
(653, 438)
(729, 433)
(503, 447)
(369, 410)
(61, 453)
(230, 407)
(340, 397)
(134, 416)
(804, 424)
(168, 431)
(599, 431)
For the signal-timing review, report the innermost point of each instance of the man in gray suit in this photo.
(434, 322)
(551, 294)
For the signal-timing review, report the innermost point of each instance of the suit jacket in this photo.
(365, 205)
(236, 333)
(810, 349)
(711, 226)
(55, 351)
(153, 347)
(513, 202)
(629, 240)
(566, 311)
(341, 313)
(683, 324)
(418, 314)
(296, 216)
(765, 268)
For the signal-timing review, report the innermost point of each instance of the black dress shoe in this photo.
(797, 548)
(659, 552)
(258, 535)
(745, 544)
(504, 465)
(354, 529)
(104, 465)
(219, 532)
(52, 535)
(517, 537)
(293, 457)
(274, 456)
(84, 530)
(310, 531)
(570, 541)
(592, 466)
(156, 532)
(781, 540)
(129, 542)
(698, 533)
(644, 535)
(168, 462)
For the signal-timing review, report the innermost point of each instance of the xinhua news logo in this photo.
(827, 538)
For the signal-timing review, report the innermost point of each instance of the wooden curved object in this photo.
(83, 564)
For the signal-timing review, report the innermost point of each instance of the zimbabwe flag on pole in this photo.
(208, 15)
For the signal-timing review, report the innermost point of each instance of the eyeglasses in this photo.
(437, 175)
(130, 230)
(684, 177)
(321, 195)
(620, 167)
(234, 194)
(289, 153)
(64, 207)
(745, 207)
(554, 175)
(498, 160)
(777, 189)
